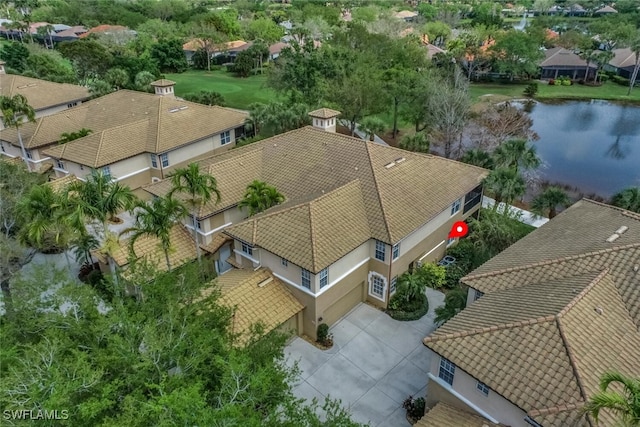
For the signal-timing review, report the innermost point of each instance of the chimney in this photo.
(2, 71)
(164, 87)
(324, 119)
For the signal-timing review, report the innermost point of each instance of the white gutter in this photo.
(294, 284)
(208, 233)
(427, 254)
(132, 174)
(354, 268)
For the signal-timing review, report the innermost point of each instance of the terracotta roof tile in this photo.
(169, 124)
(257, 296)
(306, 163)
(324, 113)
(443, 415)
(60, 184)
(41, 94)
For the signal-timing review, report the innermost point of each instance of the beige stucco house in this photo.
(45, 97)
(136, 137)
(546, 318)
(356, 214)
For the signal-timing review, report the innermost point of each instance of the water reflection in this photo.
(594, 146)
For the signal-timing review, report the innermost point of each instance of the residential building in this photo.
(623, 62)
(607, 10)
(406, 15)
(226, 49)
(45, 97)
(356, 215)
(445, 415)
(545, 319)
(135, 137)
(561, 62)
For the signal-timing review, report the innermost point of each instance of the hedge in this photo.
(411, 315)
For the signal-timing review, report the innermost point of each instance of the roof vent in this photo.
(174, 110)
(613, 238)
(390, 165)
(622, 229)
(356, 168)
(636, 268)
(400, 160)
(599, 310)
(265, 282)
(275, 145)
(184, 107)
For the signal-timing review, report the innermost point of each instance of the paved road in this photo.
(376, 362)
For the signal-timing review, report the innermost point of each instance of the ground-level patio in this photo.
(375, 363)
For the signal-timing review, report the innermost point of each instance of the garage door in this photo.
(343, 305)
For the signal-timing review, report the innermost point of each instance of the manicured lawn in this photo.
(237, 92)
(609, 91)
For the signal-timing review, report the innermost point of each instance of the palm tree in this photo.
(626, 404)
(372, 125)
(14, 111)
(634, 44)
(100, 198)
(478, 157)
(549, 200)
(84, 244)
(72, 136)
(410, 285)
(516, 154)
(417, 143)
(454, 302)
(198, 189)
(628, 199)
(602, 58)
(590, 56)
(111, 245)
(259, 197)
(156, 219)
(506, 185)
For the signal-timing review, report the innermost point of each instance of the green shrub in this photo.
(432, 275)
(323, 332)
(620, 80)
(566, 82)
(415, 407)
(406, 311)
(454, 274)
(531, 90)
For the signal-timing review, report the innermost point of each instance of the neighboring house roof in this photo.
(126, 123)
(585, 228)
(106, 29)
(544, 345)
(606, 9)
(257, 297)
(623, 58)
(405, 14)
(196, 44)
(182, 249)
(307, 163)
(443, 415)
(550, 34)
(216, 243)
(277, 47)
(60, 184)
(561, 57)
(41, 94)
(432, 50)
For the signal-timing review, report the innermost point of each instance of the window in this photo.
(451, 241)
(59, 164)
(154, 161)
(477, 294)
(455, 207)
(482, 388)
(324, 277)
(306, 278)
(29, 155)
(195, 223)
(377, 286)
(284, 262)
(106, 171)
(472, 199)
(392, 286)
(73, 104)
(81, 167)
(380, 250)
(2, 147)
(447, 371)
(225, 137)
(396, 251)
(164, 159)
(247, 249)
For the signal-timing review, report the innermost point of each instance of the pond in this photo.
(591, 145)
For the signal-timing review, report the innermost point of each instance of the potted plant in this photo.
(415, 408)
(324, 337)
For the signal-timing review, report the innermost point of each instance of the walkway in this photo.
(522, 215)
(376, 362)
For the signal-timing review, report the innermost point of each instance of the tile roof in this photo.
(319, 232)
(324, 113)
(182, 249)
(216, 243)
(403, 14)
(443, 415)
(623, 58)
(41, 94)
(197, 44)
(258, 297)
(533, 278)
(127, 122)
(561, 57)
(60, 184)
(575, 241)
(606, 9)
(306, 163)
(163, 83)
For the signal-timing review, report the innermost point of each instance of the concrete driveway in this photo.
(375, 363)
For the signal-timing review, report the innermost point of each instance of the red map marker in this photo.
(459, 229)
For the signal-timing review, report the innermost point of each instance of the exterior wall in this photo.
(464, 394)
(56, 109)
(118, 171)
(197, 150)
(337, 300)
(327, 125)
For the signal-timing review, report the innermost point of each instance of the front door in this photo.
(225, 253)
